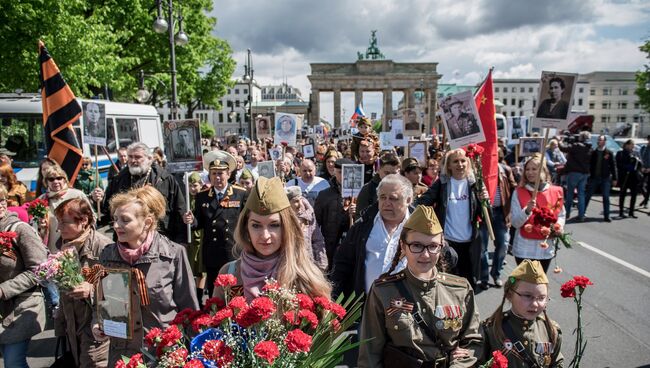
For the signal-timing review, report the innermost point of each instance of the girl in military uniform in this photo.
(420, 317)
(524, 334)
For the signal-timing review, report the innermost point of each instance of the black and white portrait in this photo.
(263, 127)
(308, 150)
(318, 130)
(530, 145)
(516, 127)
(555, 96)
(461, 119)
(411, 124)
(285, 129)
(352, 180)
(417, 150)
(275, 153)
(182, 144)
(94, 115)
(266, 169)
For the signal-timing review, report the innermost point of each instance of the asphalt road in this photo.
(616, 313)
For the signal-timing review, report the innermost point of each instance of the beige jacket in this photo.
(21, 304)
(170, 285)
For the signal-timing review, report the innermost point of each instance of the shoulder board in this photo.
(390, 278)
(452, 280)
(488, 322)
(237, 187)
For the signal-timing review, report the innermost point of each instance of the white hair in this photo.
(139, 146)
(406, 188)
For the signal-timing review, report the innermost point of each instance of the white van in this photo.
(21, 132)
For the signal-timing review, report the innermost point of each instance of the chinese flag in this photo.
(484, 100)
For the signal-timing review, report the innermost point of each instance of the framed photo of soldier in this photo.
(286, 127)
(411, 123)
(417, 150)
(319, 130)
(263, 126)
(397, 129)
(352, 176)
(556, 92)
(275, 153)
(94, 116)
(308, 150)
(266, 169)
(386, 141)
(182, 145)
(516, 128)
(461, 120)
(530, 145)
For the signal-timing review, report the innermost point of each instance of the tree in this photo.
(103, 44)
(643, 79)
(207, 130)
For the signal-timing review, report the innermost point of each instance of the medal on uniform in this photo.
(439, 313)
(398, 305)
(440, 324)
(507, 344)
(547, 360)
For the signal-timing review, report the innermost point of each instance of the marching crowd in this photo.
(414, 242)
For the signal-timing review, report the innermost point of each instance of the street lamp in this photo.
(248, 76)
(162, 25)
(143, 95)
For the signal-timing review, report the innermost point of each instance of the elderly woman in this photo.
(58, 191)
(314, 241)
(270, 240)
(420, 316)
(456, 202)
(77, 227)
(529, 242)
(22, 309)
(16, 191)
(162, 265)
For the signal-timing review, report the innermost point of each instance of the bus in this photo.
(21, 132)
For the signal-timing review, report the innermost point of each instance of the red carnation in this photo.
(305, 302)
(568, 289)
(194, 363)
(170, 337)
(182, 317)
(267, 350)
(247, 317)
(120, 364)
(499, 360)
(221, 315)
(225, 280)
(177, 357)
(263, 307)
(238, 302)
(309, 316)
(338, 310)
(153, 336)
(298, 341)
(134, 361)
(582, 281)
(322, 302)
(202, 321)
(214, 301)
(271, 286)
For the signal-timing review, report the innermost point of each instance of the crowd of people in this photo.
(412, 242)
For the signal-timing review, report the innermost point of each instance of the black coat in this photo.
(331, 217)
(367, 195)
(171, 225)
(349, 270)
(629, 169)
(218, 222)
(608, 165)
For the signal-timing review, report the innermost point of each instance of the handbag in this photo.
(65, 359)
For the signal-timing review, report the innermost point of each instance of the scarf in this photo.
(57, 195)
(255, 271)
(130, 255)
(78, 242)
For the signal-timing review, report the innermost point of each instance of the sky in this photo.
(520, 38)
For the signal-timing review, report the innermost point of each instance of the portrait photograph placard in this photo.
(417, 150)
(286, 127)
(182, 145)
(319, 131)
(461, 120)
(263, 127)
(266, 169)
(516, 128)
(386, 141)
(397, 129)
(352, 175)
(275, 153)
(308, 150)
(94, 117)
(556, 92)
(530, 145)
(411, 123)
(114, 304)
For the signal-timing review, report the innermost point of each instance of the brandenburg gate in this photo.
(373, 73)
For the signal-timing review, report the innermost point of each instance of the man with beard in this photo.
(142, 170)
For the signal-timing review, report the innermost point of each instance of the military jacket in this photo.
(531, 336)
(446, 305)
(218, 219)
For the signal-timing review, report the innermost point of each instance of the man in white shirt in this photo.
(256, 157)
(309, 183)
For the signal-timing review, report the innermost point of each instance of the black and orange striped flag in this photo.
(60, 111)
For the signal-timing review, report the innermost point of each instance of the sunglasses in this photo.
(54, 178)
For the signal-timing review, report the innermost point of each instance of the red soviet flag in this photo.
(484, 100)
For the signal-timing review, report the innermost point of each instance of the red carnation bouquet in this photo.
(6, 244)
(498, 360)
(280, 328)
(474, 152)
(574, 289)
(545, 220)
(37, 209)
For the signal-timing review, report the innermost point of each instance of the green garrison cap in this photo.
(424, 220)
(267, 197)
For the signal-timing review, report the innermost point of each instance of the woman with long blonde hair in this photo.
(270, 245)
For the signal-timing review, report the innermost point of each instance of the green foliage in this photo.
(643, 78)
(207, 130)
(105, 43)
(377, 127)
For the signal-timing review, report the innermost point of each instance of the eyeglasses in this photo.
(3, 201)
(54, 178)
(541, 300)
(433, 248)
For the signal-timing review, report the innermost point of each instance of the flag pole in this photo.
(187, 203)
(97, 181)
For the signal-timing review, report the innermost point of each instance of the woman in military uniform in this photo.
(420, 317)
(524, 334)
(270, 242)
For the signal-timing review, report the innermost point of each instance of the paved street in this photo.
(615, 256)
